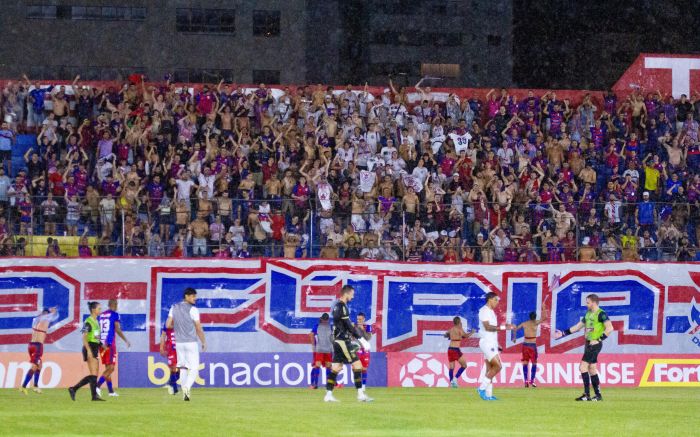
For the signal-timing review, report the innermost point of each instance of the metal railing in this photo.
(353, 228)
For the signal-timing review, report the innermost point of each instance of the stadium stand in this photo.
(222, 170)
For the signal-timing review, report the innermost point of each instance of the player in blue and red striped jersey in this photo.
(40, 326)
(110, 327)
(167, 350)
(363, 354)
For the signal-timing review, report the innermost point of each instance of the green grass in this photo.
(395, 412)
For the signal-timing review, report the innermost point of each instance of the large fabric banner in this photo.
(272, 305)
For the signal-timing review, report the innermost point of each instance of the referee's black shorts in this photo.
(344, 352)
(94, 351)
(590, 352)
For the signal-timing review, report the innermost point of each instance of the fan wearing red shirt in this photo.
(277, 225)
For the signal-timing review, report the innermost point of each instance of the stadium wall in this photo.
(261, 311)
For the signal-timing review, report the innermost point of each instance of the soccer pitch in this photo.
(395, 412)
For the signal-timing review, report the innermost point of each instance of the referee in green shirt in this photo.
(91, 348)
(597, 327)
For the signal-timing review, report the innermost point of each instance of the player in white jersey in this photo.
(489, 345)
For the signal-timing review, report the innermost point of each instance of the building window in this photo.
(205, 20)
(105, 13)
(266, 76)
(440, 70)
(41, 11)
(494, 40)
(386, 68)
(266, 23)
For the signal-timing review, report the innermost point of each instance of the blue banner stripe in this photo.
(130, 322)
(677, 324)
(324, 278)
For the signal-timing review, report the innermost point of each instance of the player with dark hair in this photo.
(344, 348)
(167, 350)
(529, 353)
(597, 327)
(183, 318)
(321, 338)
(489, 345)
(110, 327)
(454, 354)
(363, 353)
(40, 326)
(91, 349)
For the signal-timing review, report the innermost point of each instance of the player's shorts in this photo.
(363, 355)
(489, 349)
(454, 354)
(36, 351)
(108, 354)
(590, 353)
(94, 351)
(344, 352)
(324, 358)
(188, 355)
(529, 353)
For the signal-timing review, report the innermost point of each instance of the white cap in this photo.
(646, 193)
(585, 241)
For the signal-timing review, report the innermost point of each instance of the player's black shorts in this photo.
(344, 352)
(590, 353)
(94, 351)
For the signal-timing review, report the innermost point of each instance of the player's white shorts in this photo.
(489, 349)
(187, 355)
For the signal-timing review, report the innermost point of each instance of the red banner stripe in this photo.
(116, 290)
(682, 293)
(19, 299)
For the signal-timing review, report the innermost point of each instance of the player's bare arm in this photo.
(491, 328)
(200, 334)
(576, 327)
(120, 333)
(162, 344)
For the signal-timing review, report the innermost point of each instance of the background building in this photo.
(290, 41)
(480, 43)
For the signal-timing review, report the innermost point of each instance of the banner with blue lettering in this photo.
(271, 306)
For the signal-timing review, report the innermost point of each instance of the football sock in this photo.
(93, 385)
(586, 383)
(595, 380)
(36, 378)
(109, 384)
(183, 377)
(459, 372)
(82, 382)
(364, 378)
(191, 377)
(525, 372)
(27, 378)
(484, 383)
(314, 376)
(330, 380)
(357, 377)
(173, 379)
(100, 381)
(533, 372)
(452, 374)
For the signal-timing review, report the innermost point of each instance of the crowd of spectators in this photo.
(154, 169)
